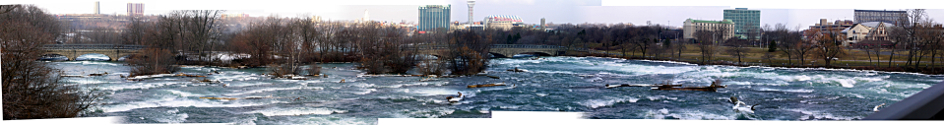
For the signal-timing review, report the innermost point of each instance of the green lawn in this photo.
(852, 58)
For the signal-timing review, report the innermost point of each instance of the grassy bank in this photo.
(854, 59)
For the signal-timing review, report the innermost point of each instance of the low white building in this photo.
(855, 34)
(691, 26)
(865, 31)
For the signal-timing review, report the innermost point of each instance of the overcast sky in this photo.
(673, 12)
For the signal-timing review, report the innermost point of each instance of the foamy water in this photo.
(552, 84)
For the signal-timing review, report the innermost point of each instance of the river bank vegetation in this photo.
(33, 89)
(286, 45)
(201, 37)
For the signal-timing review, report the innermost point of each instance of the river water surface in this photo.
(571, 84)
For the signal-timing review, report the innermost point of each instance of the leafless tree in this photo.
(737, 48)
(256, 41)
(134, 31)
(383, 51)
(767, 57)
(911, 31)
(32, 89)
(155, 61)
(901, 39)
(936, 39)
(324, 40)
(868, 53)
(468, 52)
(802, 49)
(705, 46)
(791, 43)
(752, 33)
(165, 34)
(104, 35)
(679, 46)
(828, 47)
(765, 34)
(198, 29)
(308, 35)
(928, 35)
(878, 58)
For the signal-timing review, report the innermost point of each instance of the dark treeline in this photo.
(921, 39)
(917, 43)
(32, 89)
(198, 37)
(286, 44)
(188, 36)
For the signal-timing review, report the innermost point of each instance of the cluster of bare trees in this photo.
(281, 44)
(789, 42)
(173, 39)
(32, 89)
(156, 61)
(128, 32)
(709, 40)
(285, 44)
(192, 31)
(921, 39)
(653, 42)
(381, 51)
(290, 42)
(468, 51)
(649, 41)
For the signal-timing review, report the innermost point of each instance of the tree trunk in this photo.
(933, 55)
(869, 55)
(623, 48)
(918, 61)
(891, 55)
(679, 47)
(739, 59)
(911, 54)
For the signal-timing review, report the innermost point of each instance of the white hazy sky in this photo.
(791, 12)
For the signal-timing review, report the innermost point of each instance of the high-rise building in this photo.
(434, 16)
(471, 4)
(746, 20)
(366, 16)
(97, 11)
(542, 24)
(691, 26)
(891, 17)
(135, 9)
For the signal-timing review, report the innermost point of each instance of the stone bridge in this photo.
(72, 51)
(507, 50)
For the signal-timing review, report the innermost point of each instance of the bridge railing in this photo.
(90, 46)
(924, 105)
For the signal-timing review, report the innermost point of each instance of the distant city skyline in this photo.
(796, 13)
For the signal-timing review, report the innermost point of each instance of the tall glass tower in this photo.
(433, 16)
(745, 21)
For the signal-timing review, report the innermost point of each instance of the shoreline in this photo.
(939, 71)
(900, 70)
